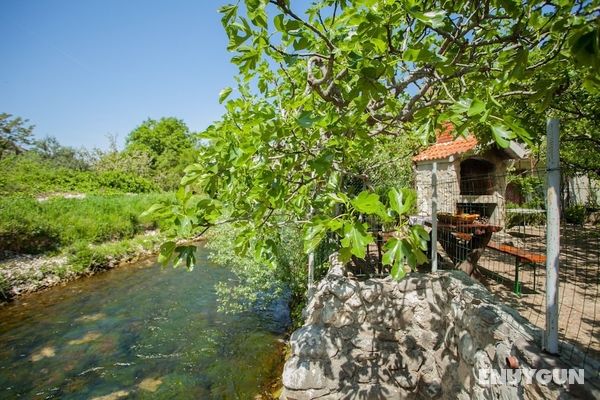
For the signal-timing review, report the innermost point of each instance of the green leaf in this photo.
(368, 203)
(477, 107)
(397, 272)
(401, 201)
(338, 197)
(461, 106)
(335, 225)
(379, 44)
(186, 255)
(305, 119)
(501, 135)
(153, 210)
(224, 94)
(278, 22)
(166, 252)
(393, 252)
(397, 250)
(433, 18)
(229, 12)
(313, 235)
(519, 64)
(345, 254)
(585, 46)
(356, 238)
(420, 231)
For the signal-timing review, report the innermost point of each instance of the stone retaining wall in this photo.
(423, 337)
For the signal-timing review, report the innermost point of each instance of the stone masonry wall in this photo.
(421, 338)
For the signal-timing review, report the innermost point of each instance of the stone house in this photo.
(471, 178)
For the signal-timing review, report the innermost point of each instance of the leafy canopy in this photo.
(319, 90)
(169, 145)
(15, 134)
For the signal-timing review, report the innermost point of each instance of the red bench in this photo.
(522, 258)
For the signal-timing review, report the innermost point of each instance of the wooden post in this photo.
(552, 236)
(434, 260)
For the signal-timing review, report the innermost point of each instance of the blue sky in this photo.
(80, 70)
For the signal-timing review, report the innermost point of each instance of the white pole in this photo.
(552, 236)
(311, 266)
(311, 269)
(434, 260)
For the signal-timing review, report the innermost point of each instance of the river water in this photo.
(140, 332)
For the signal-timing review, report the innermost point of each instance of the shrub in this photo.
(258, 284)
(29, 226)
(31, 174)
(575, 214)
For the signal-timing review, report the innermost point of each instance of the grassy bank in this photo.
(43, 243)
(28, 226)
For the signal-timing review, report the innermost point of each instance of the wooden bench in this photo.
(522, 258)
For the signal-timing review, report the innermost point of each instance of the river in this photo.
(139, 332)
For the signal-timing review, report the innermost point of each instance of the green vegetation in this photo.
(325, 94)
(76, 236)
(152, 161)
(257, 286)
(575, 214)
(31, 227)
(14, 134)
(30, 174)
(81, 209)
(82, 257)
(170, 147)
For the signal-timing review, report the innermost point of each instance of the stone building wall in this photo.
(424, 337)
(448, 189)
(448, 178)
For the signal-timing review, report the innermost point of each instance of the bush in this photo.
(258, 284)
(575, 215)
(31, 174)
(29, 226)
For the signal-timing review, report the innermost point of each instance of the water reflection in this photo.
(136, 332)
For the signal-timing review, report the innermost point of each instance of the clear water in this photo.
(139, 332)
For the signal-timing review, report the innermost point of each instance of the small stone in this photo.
(331, 308)
(363, 341)
(341, 289)
(343, 319)
(502, 353)
(354, 301)
(313, 342)
(466, 347)
(406, 285)
(370, 291)
(299, 374)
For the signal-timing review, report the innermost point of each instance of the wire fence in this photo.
(494, 227)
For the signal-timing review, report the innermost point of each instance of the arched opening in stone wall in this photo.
(476, 177)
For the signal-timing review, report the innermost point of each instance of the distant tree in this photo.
(169, 144)
(49, 148)
(15, 134)
(132, 162)
(158, 137)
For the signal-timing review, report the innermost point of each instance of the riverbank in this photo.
(53, 239)
(24, 273)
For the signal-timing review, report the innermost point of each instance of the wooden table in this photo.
(465, 242)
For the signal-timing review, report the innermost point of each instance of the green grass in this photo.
(83, 258)
(29, 174)
(32, 227)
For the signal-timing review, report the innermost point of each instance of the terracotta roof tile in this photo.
(446, 146)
